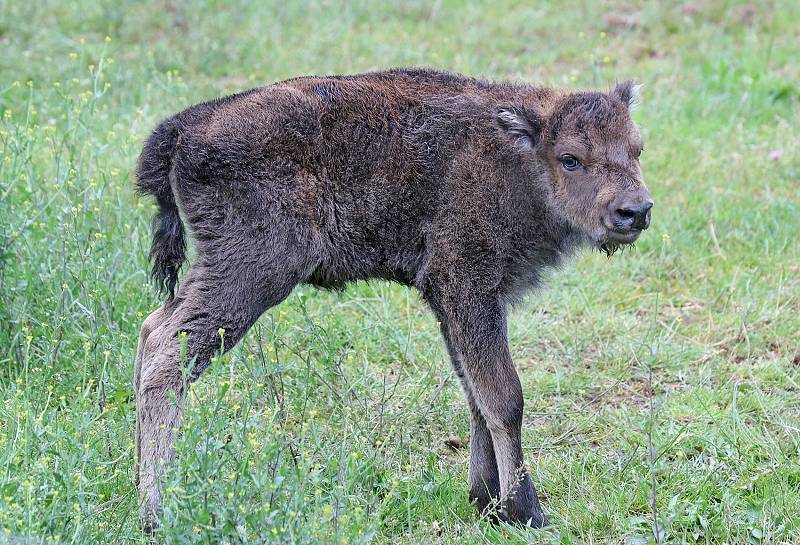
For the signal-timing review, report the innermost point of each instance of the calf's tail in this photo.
(168, 249)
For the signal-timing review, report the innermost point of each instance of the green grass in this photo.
(326, 424)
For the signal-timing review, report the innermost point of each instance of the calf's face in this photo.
(592, 149)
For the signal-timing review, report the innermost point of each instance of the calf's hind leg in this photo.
(149, 325)
(207, 301)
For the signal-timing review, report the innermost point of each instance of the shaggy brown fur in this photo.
(462, 188)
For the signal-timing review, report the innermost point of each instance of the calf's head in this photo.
(591, 147)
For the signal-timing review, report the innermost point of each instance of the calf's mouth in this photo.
(626, 236)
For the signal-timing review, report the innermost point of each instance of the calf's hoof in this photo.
(514, 513)
(523, 506)
(532, 518)
(149, 523)
(488, 507)
(485, 496)
(148, 513)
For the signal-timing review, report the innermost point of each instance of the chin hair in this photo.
(609, 247)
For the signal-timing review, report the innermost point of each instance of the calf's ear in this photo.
(628, 93)
(522, 126)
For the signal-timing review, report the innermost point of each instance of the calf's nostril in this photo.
(626, 213)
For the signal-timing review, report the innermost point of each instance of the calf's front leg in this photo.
(484, 482)
(477, 337)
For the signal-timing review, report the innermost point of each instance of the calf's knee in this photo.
(505, 414)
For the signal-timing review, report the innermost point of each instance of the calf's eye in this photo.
(569, 162)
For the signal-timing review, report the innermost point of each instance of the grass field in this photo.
(326, 425)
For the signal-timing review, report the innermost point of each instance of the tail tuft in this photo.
(168, 249)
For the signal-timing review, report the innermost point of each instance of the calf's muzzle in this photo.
(631, 213)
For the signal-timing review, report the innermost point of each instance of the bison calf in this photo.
(462, 188)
